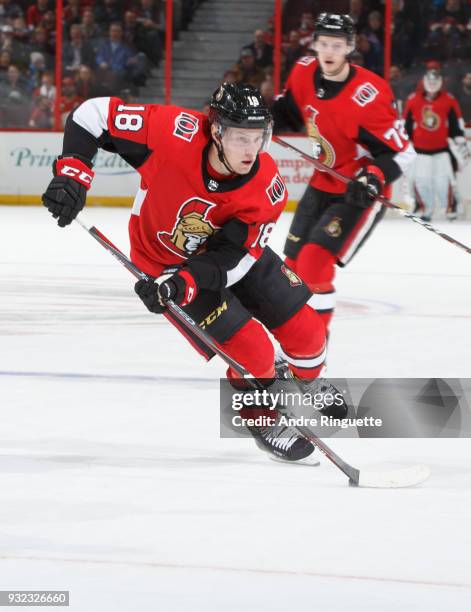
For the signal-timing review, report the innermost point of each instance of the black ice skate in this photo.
(282, 442)
(318, 387)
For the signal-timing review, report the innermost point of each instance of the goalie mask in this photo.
(432, 82)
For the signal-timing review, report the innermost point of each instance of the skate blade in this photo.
(306, 462)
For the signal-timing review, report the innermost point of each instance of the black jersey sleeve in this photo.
(454, 128)
(225, 260)
(409, 124)
(286, 114)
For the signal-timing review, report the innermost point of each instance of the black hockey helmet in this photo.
(331, 24)
(239, 105)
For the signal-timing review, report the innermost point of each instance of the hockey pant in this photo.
(269, 297)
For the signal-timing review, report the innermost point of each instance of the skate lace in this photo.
(282, 439)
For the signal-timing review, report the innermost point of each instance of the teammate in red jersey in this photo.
(349, 115)
(208, 201)
(432, 116)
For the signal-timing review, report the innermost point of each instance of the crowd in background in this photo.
(110, 46)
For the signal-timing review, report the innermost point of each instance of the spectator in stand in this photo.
(72, 13)
(41, 116)
(463, 96)
(372, 54)
(357, 58)
(269, 33)
(375, 28)
(77, 52)
(14, 98)
(19, 51)
(230, 76)
(35, 12)
(36, 70)
(40, 42)
(150, 19)
(91, 31)
(108, 12)
(292, 51)
(49, 23)
(262, 51)
(268, 92)
(398, 86)
(8, 11)
(47, 89)
(69, 99)
(87, 86)
(141, 38)
(150, 11)
(447, 29)
(127, 96)
(20, 31)
(306, 29)
(246, 69)
(358, 14)
(406, 32)
(118, 61)
(5, 61)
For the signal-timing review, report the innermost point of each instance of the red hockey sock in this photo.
(316, 266)
(252, 348)
(303, 342)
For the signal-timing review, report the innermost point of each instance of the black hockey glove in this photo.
(179, 287)
(66, 194)
(367, 185)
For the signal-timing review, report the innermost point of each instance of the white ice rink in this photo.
(115, 485)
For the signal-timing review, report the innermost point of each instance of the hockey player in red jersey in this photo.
(208, 201)
(432, 116)
(349, 115)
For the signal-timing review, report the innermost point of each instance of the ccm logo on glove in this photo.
(76, 169)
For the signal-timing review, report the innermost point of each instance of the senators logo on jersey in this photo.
(191, 229)
(293, 278)
(276, 190)
(429, 120)
(322, 149)
(186, 126)
(365, 94)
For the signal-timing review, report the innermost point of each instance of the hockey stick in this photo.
(320, 166)
(398, 478)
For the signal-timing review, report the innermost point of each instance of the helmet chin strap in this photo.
(221, 156)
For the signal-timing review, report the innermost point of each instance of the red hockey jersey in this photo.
(431, 122)
(179, 206)
(348, 123)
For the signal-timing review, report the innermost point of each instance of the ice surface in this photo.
(114, 481)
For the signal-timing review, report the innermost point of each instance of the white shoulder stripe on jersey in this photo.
(405, 158)
(92, 115)
(241, 269)
(138, 201)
